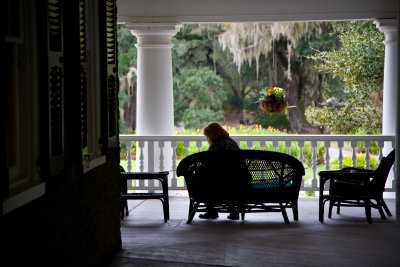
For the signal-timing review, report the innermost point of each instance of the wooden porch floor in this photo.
(260, 240)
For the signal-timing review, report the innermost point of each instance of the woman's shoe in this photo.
(209, 215)
(233, 216)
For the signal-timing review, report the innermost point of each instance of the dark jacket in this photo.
(225, 144)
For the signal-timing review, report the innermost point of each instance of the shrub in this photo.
(308, 150)
(180, 148)
(360, 162)
(373, 149)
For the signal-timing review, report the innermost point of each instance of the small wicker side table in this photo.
(163, 196)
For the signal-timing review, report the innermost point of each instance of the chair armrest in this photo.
(354, 169)
(340, 175)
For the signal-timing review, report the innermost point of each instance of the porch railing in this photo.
(316, 152)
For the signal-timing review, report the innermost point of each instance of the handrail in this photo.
(158, 152)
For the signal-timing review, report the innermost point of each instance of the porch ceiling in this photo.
(193, 11)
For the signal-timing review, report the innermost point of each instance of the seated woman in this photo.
(219, 140)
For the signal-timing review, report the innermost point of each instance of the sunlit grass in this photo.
(255, 129)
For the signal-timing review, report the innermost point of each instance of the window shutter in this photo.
(55, 85)
(112, 75)
(83, 73)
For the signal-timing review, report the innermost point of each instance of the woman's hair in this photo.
(214, 132)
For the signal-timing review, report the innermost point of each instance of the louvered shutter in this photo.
(83, 74)
(55, 85)
(110, 26)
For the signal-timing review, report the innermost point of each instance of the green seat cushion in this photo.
(268, 184)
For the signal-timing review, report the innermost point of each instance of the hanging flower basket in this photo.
(273, 106)
(273, 99)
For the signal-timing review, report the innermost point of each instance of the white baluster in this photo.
(150, 156)
(314, 164)
(141, 159)
(161, 146)
(186, 146)
(288, 144)
(198, 145)
(129, 155)
(367, 156)
(173, 180)
(263, 145)
(354, 154)
(141, 156)
(275, 145)
(301, 147)
(381, 144)
(340, 146)
(301, 159)
(250, 144)
(327, 155)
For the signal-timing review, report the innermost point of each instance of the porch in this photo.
(260, 240)
(154, 25)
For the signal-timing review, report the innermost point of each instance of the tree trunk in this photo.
(298, 122)
(129, 108)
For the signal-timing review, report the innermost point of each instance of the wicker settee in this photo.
(249, 180)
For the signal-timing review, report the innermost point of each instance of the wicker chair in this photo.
(356, 187)
(249, 180)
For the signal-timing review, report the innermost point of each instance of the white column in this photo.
(155, 105)
(389, 114)
(389, 119)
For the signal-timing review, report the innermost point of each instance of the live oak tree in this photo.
(198, 97)
(358, 62)
(279, 53)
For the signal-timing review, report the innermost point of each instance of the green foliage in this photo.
(350, 118)
(198, 97)
(272, 94)
(180, 148)
(308, 150)
(275, 120)
(123, 150)
(310, 193)
(197, 48)
(359, 60)
(373, 149)
(323, 41)
(360, 162)
(359, 63)
(127, 53)
(122, 99)
(326, 40)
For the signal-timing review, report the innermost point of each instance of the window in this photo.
(22, 107)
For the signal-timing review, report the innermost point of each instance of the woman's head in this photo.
(214, 132)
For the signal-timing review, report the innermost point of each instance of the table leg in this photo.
(321, 200)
